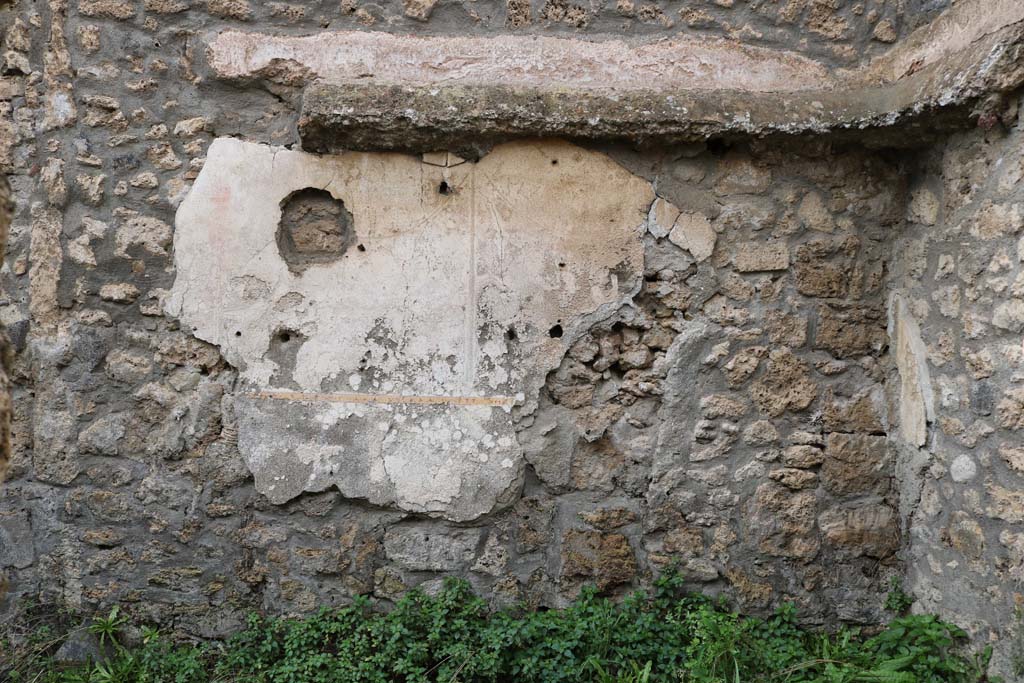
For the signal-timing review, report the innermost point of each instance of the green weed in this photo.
(452, 637)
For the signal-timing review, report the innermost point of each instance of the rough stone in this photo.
(966, 535)
(786, 385)
(855, 331)
(870, 529)
(1010, 410)
(1009, 316)
(419, 9)
(782, 522)
(662, 218)
(694, 233)
(111, 9)
(1005, 504)
(754, 257)
(802, 456)
(103, 436)
(605, 559)
(431, 548)
(855, 464)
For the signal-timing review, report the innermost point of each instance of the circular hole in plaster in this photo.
(238, 333)
(554, 162)
(444, 188)
(285, 336)
(315, 228)
(360, 247)
(555, 332)
(510, 334)
(561, 264)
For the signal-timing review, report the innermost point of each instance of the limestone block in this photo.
(870, 529)
(781, 521)
(606, 559)
(855, 464)
(429, 547)
(752, 257)
(693, 232)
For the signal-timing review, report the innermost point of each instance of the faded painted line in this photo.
(496, 401)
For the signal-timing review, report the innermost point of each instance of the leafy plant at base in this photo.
(897, 600)
(106, 628)
(454, 637)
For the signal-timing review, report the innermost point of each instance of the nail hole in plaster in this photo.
(554, 162)
(360, 247)
(238, 333)
(510, 334)
(555, 332)
(444, 188)
(315, 228)
(283, 351)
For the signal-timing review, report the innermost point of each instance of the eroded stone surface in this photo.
(682, 63)
(393, 370)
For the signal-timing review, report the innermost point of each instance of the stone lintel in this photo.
(380, 91)
(469, 118)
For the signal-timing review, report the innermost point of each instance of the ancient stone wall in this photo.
(729, 417)
(958, 307)
(250, 377)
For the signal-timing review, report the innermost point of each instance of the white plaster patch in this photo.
(917, 400)
(963, 468)
(451, 311)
